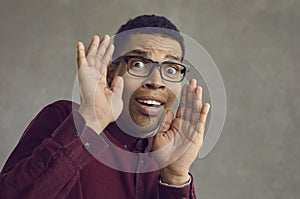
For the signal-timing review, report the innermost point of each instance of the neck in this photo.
(135, 130)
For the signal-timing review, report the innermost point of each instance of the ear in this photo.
(111, 72)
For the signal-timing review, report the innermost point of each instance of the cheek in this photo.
(173, 96)
(175, 90)
(131, 84)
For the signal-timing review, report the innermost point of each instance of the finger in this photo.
(117, 86)
(80, 54)
(181, 108)
(102, 48)
(189, 100)
(197, 136)
(197, 105)
(93, 46)
(201, 95)
(166, 124)
(107, 56)
(202, 120)
(102, 67)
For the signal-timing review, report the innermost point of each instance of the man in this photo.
(73, 151)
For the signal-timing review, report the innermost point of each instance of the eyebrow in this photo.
(139, 52)
(145, 53)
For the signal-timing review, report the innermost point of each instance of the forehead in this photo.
(154, 44)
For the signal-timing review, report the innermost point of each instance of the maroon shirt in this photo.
(53, 160)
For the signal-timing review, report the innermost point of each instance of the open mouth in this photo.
(151, 106)
(150, 103)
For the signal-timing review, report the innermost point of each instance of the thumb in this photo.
(80, 54)
(166, 124)
(117, 86)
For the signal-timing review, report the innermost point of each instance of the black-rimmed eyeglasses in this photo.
(140, 66)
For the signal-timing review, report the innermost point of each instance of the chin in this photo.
(138, 125)
(146, 123)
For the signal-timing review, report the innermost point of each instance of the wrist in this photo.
(91, 119)
(172, 178)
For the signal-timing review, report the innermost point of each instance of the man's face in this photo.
(147, 98)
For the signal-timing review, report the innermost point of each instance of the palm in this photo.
(94, 91)
(180, 139)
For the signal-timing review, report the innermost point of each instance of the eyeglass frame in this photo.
(186, 68)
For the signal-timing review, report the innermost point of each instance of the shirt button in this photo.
(125, 145)
(140, 141)
(41, 165)
(141, 162)
(87, 145)
(183, 197)
(76, 134)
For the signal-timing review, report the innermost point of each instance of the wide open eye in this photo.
(171, 70)
(137, 65)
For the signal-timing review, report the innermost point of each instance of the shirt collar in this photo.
(133, 144)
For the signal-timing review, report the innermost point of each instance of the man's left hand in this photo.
(180, 139)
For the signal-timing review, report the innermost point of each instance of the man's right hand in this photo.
(100, 105)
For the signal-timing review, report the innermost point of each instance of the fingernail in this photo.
(208, 106)
(198, 92)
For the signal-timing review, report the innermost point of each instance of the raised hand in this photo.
(96, 97)
(180, 139)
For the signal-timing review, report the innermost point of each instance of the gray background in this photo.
(255, 43)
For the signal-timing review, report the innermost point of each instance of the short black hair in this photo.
(148, 24)
(147, 21)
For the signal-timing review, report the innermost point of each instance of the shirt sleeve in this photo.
(46, 161)
(181, 192)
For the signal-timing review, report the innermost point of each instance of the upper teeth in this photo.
(152, 102)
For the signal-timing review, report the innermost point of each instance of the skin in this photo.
(157, 48)
(182, 134)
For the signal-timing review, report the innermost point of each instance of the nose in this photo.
(154, 80)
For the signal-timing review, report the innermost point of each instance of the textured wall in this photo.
(255, 43)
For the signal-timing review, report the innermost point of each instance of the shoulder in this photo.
(64, 107)
(53, 114)
(50, 117)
